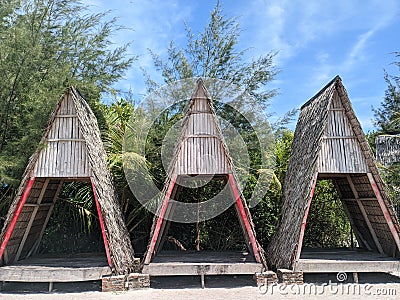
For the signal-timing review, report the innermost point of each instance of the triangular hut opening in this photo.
(201, 154)
(330, 144)
(71, 150)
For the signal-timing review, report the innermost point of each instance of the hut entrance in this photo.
(329, 145)
(71, 150)
(216, 239)
(328, 225)
(201, 155)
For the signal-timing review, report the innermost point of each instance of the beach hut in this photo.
(330, 144)
(70, 150)
(201, 153)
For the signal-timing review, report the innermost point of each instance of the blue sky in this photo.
(316, 40)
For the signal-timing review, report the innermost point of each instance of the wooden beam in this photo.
(35, 247)
(364, 214)
(37, 205)
(32, 219)
(385, 211)
(167, 220)
(337, 109)
(340, 137)
(102, 226)
(183, 268)
(66, 116)
(160, 220)
(361, 199)
(15, 216)
(65, 140)
(244, 218)
(31, 273)
(304, 223)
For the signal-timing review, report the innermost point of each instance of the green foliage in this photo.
(118, 118)
(391, 176)
(73, 226)
(387, 116)
(46, 46)
(213, 53)
(327, 223)
(267, 213)
(387, 120)
(282, 153)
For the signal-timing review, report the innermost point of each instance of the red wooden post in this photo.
(244, 217)
(102, 226)
(385, 211)
(160, 221)
(15, 217)
(304, 223)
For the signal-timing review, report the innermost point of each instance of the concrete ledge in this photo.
(290, 277)
(122, 283)
(266, 278)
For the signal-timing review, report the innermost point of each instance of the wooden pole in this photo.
(385, 211)
(102, 226)
(364, 214)
(15, 217)
(32, 219)
(244, 218)
(160, 220)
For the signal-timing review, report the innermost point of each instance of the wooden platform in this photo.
(57, 269)
(169, 263)
(344, 260)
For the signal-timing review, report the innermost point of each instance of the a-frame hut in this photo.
(71, 150)
(330, 144)
(201, 138)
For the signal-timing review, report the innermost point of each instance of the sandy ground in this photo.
(218, 287)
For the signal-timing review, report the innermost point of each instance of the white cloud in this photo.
(152, 25)
(290, 26)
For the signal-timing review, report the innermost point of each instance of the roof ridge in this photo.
(334, 80)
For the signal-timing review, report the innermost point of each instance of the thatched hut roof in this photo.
(330, 144)
(71, 149)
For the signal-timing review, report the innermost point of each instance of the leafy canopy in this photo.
(46, 46)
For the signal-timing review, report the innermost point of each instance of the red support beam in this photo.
(385, 211)
(244, 216)
(160, 221)
(304, 223)
(102, 226)
(15, 216)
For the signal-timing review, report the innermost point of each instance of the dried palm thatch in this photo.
(201, 151)
(71, 149)
(330, 144)
(388, 149)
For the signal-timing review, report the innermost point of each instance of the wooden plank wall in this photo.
(202, 150)
(64, 154)
(340, 149)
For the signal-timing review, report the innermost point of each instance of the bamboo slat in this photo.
(65, 154)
